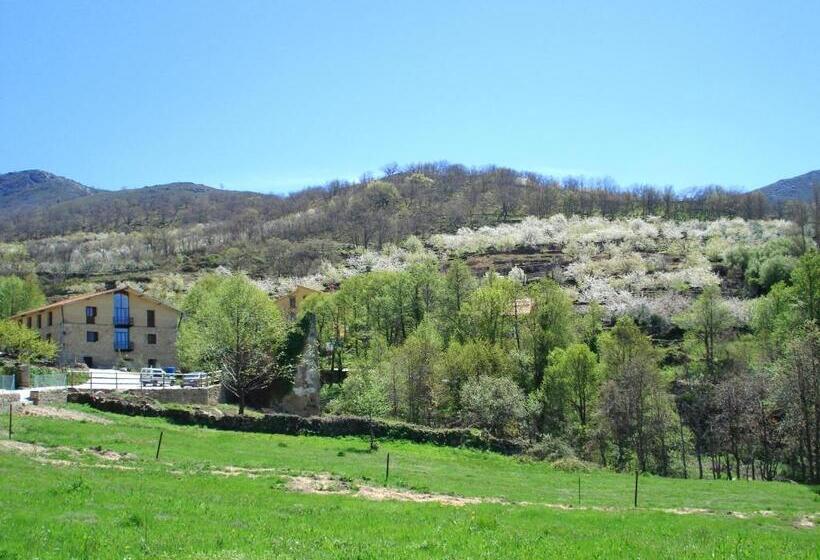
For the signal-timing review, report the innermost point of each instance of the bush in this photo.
(551, 448)
(572, 464)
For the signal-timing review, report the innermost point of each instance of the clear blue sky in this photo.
(272, 95)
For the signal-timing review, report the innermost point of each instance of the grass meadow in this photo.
(69, 502)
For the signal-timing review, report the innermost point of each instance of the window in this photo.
(152, 338)
(152, 362)
(48, 336)
(121, 311)
(150, 318)
(90, 315)
(89, 361)
(50, 318)
(39, 321)
(28, 322)
(122, 341)
(92, 336)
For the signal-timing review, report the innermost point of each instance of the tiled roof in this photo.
(82, 297)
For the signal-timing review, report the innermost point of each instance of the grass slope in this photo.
(176, 508)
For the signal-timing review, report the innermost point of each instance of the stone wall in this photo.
(7, 399)
(329, 426)
(46, 398)
(181, 395)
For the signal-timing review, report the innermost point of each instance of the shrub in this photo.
(572, 464)
(551, 449)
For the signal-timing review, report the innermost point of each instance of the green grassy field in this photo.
(68, 502)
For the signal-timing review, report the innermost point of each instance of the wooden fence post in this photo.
(159, 444)
(387, 470)
(636, 488)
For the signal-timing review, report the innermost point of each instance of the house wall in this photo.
(290, 303)
(69, 330)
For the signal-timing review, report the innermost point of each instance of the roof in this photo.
(82, 297)
(283, 295)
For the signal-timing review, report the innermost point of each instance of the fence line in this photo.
(6, 383)
(48, 380)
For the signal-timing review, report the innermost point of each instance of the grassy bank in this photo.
(73, 504)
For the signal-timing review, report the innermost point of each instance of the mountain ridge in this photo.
(800, 187)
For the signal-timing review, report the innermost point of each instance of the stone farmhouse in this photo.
(289, 303)
(114, 327)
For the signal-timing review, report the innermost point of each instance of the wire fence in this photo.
(48, 380)
(111, 379)
(7, 383)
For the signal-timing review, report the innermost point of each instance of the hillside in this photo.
(795, 188)
(421, 199)
(22, 191)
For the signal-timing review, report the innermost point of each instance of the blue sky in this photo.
(272, 95)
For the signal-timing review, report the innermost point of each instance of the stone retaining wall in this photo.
(7, 399)
(181, 395)
(46, 398)
(330, 426)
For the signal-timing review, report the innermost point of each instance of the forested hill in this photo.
(419, 199)
(800, 188)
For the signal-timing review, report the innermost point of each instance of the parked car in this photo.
(155, 377)
(195, 379)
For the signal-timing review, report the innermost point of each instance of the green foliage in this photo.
(232, 326)
(574, 374)
(24, 343)
(708, 323)
(487, 311)
(19, 294)
(495, 404)
(550, 324)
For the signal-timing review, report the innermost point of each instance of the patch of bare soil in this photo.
(319, 483)
(22, 447)
(242, 471)
(326, 484)
(688, 511)
(382, 493)
(44, 455)
(63, 414)
(803, 523)
(110, 455)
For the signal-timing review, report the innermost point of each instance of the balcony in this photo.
(123, 320)
(124, 346)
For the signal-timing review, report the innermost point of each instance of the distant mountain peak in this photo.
(794, 188)
(35, 188)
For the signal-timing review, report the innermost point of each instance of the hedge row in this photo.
(330, 426)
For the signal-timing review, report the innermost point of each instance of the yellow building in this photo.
(289, 303)
(120, 326)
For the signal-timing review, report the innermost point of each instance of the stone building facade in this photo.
(118, 327)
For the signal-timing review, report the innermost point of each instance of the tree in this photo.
(459, 283)
(495, 404)
(232, 326)
(550, 323)
(708, 320)
(363, 393)
(634, 407)
(577, 369)
(24, 343)
(806, 282)
(412, 368)
(799, 397)
(488, 309)
(19, 294)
